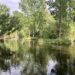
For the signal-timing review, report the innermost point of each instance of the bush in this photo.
(61, 42)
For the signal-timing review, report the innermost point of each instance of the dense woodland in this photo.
(35, 20)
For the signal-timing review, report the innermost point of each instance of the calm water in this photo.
(33, 58)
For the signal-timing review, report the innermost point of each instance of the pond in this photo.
(36, 58)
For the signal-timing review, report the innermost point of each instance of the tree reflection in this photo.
(39, 55)
(35, 59)
(62, 59)
(5, 55)
(65, 66)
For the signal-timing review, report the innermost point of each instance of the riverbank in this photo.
(56, 41)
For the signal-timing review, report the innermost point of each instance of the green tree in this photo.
(44, 23)
(60, 12)
(8, 23)
(25, 22)
(39, 19)
(30, 8)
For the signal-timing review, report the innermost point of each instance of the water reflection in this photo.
(37, 59)
(51, 70)
(7, 62)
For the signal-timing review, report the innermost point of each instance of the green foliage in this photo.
(61, 41)
(8, 24)
(3, 9)
(32, 9)
(40, 22)
(62, 14)
(31, 6)
(14, 24)
(24, 22)
(34, 20)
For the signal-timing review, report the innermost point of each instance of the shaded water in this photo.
(33, 58)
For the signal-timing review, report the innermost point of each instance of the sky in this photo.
(12, 4)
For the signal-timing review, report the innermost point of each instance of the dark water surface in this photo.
(35, 58)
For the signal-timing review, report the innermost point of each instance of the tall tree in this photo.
(36, 11)
(60, 10)
(30, 8)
